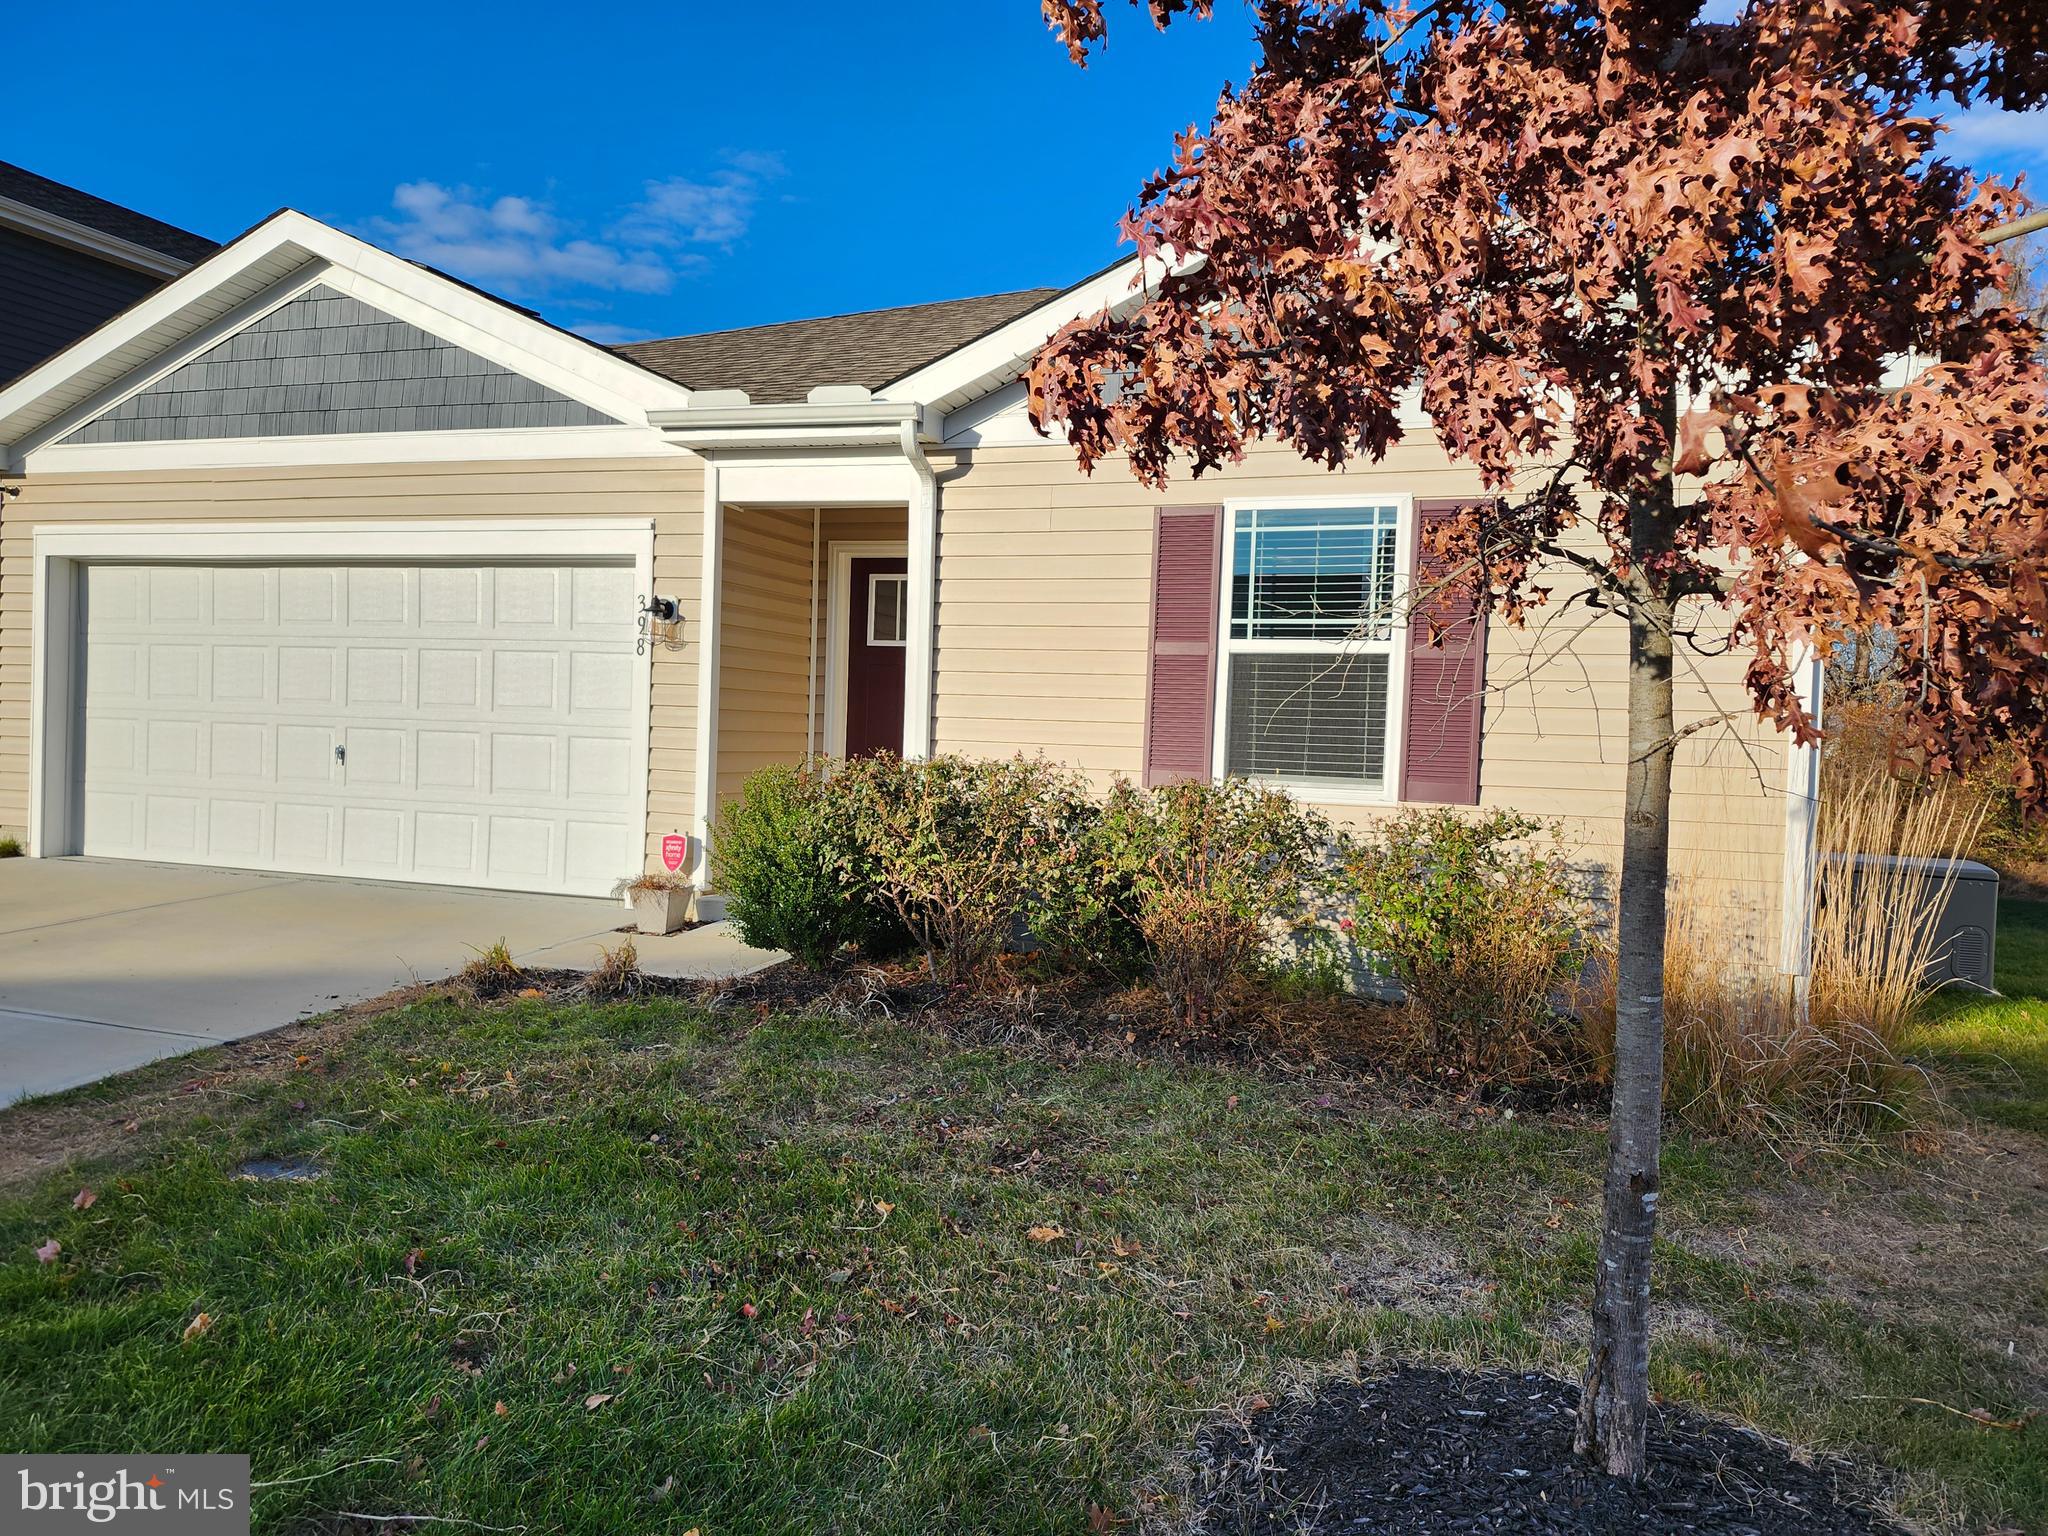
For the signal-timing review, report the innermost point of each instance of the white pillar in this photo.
(921, 617)
(711, 557)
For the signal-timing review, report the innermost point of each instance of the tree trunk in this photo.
(1615, 1404)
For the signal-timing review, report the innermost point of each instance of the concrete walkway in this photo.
(107, 964)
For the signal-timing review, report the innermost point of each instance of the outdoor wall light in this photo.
(661, 620)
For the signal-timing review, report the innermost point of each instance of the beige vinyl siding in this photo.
(1044, 612)
(765, 641)
(667, 489)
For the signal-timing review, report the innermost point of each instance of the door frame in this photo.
(838, 607)
(59, 551)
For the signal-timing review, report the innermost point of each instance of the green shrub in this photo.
(1210, 875)
(779, 856)
(1480, 922)
(1082, 911)
(10, 848)
(954, 847)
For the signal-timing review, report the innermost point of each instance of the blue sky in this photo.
(651, 170)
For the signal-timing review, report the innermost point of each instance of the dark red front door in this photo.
(877, 618)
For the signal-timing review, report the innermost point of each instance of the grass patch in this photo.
(659, 1264)
(1995, 1049)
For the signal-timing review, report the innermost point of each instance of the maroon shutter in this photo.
(1180, 697)
(1440, 736)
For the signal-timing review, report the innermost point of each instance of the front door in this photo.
(877, 616)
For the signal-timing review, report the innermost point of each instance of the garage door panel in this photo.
(486, 716)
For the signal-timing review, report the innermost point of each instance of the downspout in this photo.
(1802, 825)
(922, 618)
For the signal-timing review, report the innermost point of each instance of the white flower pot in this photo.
(661, 911)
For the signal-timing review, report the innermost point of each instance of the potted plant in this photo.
(661, 902)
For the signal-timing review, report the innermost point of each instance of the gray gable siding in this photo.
(328, 363)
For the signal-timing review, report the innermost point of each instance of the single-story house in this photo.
(315, 559)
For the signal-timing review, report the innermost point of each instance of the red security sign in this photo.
(675, 848)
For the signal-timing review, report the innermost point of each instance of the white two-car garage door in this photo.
(471, 724)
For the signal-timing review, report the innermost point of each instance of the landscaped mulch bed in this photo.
(1432, 1452)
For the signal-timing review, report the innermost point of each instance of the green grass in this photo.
(592, 1199)
(1995, 1049)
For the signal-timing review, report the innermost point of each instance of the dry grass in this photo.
(1745, 1053)
(617, 973)
(493, 973)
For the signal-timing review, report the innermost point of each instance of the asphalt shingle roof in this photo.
(781, 364)
(25, 186)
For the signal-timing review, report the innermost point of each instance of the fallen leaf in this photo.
(82, 1201)
(595, 1401)
(499, 1408)
(884, 1207)
(481, 1442)
(47, 1254)
(665, 1487)
(809, 1323)
(1045, 1234)
(412, 1260)
(749, 1311)
(531, 992)
(132, 1125)
(1125, 1248)
(199, 1327)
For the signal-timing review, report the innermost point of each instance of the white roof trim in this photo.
(809, 424)
(58, 230)
(988, 364)
(99, 369)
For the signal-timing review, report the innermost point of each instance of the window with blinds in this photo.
(1308, 650)
(1312, 573)
(1308, 717)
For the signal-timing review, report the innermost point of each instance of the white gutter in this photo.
(58, 230)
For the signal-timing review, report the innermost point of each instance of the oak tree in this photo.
(1721, 278)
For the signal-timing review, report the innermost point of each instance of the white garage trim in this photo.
(58, 554)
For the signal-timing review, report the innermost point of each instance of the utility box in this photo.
(1964, 918)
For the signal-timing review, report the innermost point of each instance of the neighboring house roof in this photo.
(780, 364)
(53, 197)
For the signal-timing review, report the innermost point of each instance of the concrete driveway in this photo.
(107, 964)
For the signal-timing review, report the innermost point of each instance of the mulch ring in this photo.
(1431, 1452)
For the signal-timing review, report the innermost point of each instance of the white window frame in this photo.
(1395, 646)
(902, 578)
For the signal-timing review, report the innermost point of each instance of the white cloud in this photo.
(608, 335)
(714, 211)
(520, 246)
(1993, 142)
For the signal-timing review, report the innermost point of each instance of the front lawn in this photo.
(663, 1265)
